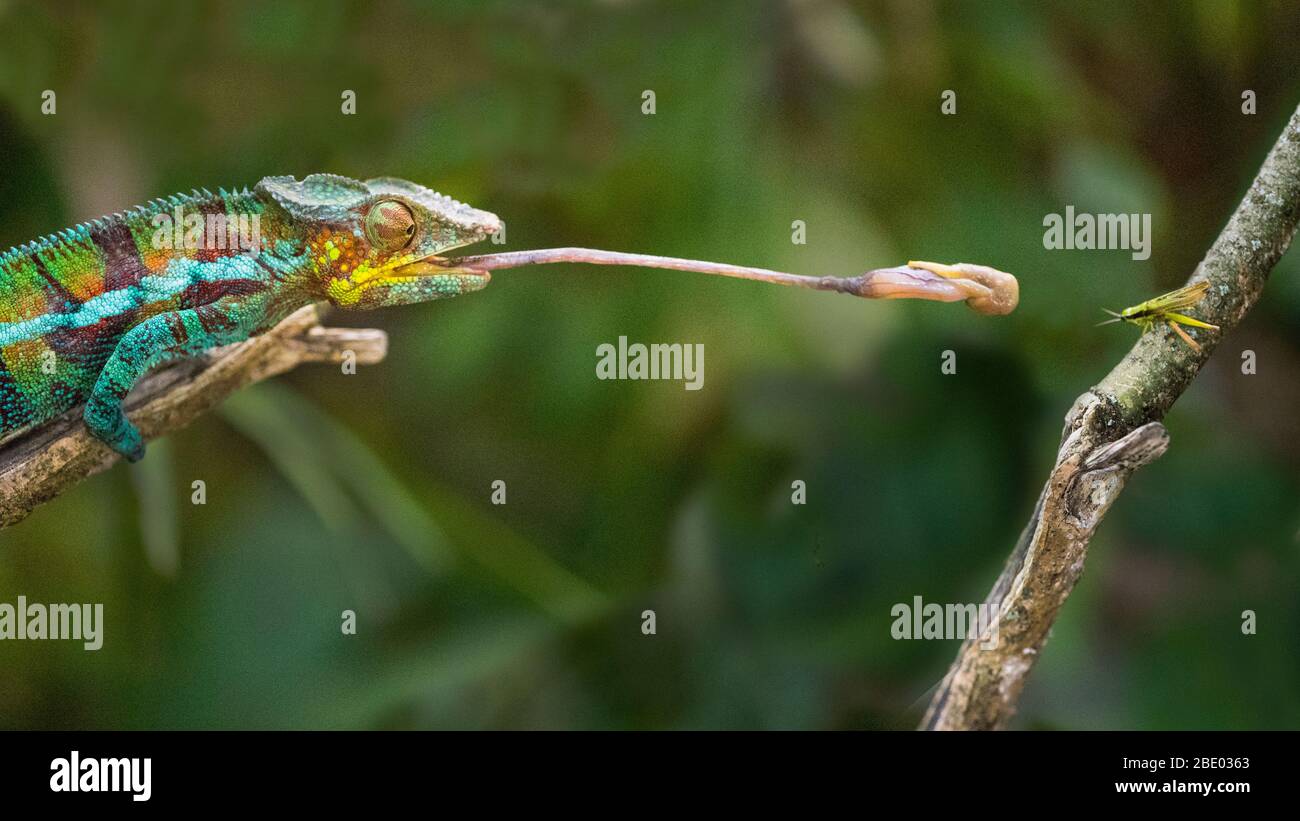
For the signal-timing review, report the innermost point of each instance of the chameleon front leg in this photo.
(159, 339)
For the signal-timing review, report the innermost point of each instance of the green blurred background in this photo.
(370, 492)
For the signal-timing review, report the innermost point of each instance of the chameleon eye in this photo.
(390, 225)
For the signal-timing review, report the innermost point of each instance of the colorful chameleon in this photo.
(85, 313)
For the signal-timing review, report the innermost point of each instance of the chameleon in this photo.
(86, 312)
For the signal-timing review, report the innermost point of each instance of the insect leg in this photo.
(1183, 334)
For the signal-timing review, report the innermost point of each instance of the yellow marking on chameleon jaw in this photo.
(342, 292)
(348, 291)
(365, 272)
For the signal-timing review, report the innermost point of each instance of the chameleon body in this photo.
(86, 312)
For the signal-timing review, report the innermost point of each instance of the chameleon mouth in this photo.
(419, 281)
(435, 265)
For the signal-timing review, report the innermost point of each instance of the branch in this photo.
(1109, 432)
(41, 464)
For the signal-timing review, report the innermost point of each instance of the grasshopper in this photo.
(1165, 308)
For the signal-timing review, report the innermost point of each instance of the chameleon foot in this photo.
(118, 433)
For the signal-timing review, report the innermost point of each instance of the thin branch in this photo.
(1110, 432)
(39, 465)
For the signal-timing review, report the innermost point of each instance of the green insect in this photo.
(1165, 308)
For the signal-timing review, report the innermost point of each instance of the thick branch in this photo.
(41, 464)
(1109, 432)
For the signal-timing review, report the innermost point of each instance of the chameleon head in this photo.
(376, 244)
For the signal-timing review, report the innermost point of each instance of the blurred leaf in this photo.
(154, 480)
(256, 413)
(260, 414)
(379, 492)
(319, 456)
